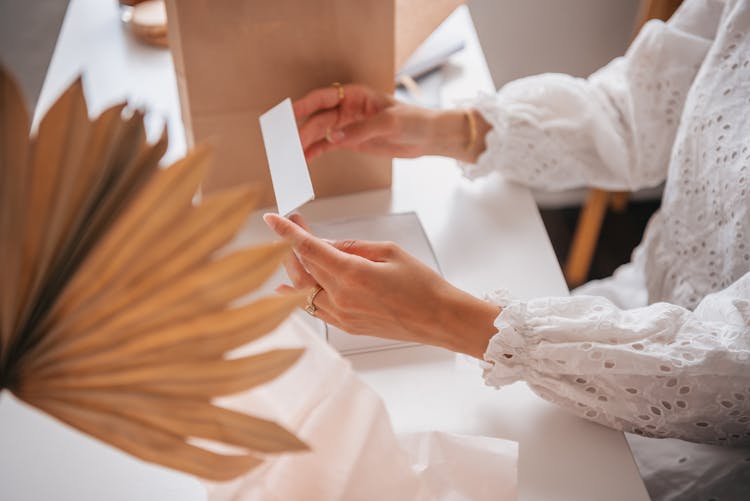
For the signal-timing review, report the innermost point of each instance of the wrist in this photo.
(457, 133)
(466, 322)
(448, 134)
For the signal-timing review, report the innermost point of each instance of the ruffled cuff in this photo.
(505, 360)
(488, 105)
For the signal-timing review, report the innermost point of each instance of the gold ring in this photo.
(339, 88)
(328, 135)
(311, 308)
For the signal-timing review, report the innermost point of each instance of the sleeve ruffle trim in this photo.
(505, 360)
(489, 106)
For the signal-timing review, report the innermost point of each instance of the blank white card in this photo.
(286, 160)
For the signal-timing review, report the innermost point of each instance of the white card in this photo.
(286, 160)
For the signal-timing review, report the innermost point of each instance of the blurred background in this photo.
(519, 38)
(526, 37)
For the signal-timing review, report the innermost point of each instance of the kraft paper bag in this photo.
(355, 455)
(235, 59)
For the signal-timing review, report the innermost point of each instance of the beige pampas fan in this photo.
(115, 311)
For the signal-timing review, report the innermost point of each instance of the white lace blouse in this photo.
(663, 347)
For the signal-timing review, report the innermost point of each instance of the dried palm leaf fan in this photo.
(116, 312)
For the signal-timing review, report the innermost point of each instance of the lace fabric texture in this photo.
(662, 348)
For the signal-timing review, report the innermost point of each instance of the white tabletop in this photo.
(486, 235)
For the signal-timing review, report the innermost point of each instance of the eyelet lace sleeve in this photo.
(660, 370)
(613, 130)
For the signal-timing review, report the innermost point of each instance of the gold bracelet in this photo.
(472, 129)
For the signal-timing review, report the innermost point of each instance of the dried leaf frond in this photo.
(116, 310)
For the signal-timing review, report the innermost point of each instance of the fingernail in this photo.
(268, 218)
(337, 135)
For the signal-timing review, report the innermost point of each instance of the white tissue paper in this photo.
(355, 454)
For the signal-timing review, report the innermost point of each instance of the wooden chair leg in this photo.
(619, 201)
(585, 238)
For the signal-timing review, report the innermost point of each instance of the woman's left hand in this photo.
(378, 289)
(365, 120)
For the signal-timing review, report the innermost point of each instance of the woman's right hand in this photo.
(362, 120)
(377, 289)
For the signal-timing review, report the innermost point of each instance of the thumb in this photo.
(379, 252)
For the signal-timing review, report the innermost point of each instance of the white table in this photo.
(485, 235)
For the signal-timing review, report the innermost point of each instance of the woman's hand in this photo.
(369, 121)
(362, 120)
(377, 289)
